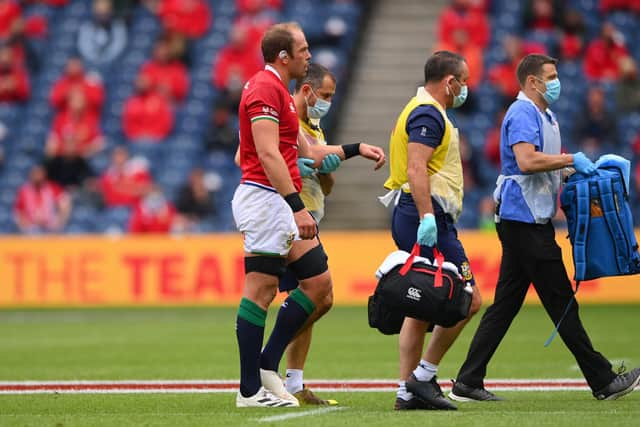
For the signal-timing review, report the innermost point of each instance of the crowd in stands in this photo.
(135, 128)
(124, 112)
(597, 44)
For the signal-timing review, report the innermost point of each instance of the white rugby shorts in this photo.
(264, 219)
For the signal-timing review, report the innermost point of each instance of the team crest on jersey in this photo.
(465, 270)
(292, 107)
(268, 110)
(289, 241)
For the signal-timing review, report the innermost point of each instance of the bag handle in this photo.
(409, 262)
(437, 256)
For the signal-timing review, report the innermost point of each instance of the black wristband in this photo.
(294, 201)
(351, 150)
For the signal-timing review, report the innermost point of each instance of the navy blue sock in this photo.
(292, 315)
(250, 334)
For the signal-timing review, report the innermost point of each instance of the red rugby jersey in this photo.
(265, 97)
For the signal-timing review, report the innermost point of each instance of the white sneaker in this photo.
(274, 383)
(262, 399)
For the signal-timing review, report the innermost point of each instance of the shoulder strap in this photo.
(583, 200)
(613, 224)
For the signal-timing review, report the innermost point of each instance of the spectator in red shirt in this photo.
(74, 138)
(543, 15)
(255, 23)
(237, 61)
(572, 36)
(14, 83)
(147, 115)
(492, 141)
(463, 15)
(41, 206)
(167, 75)
(10, 19)
(256, 6)
(603, 55)
(75, 78)
(153, 214)
(502, 75)
(189, 17)
(75, 130)
(125, 180)
(612, 5)
(470, 52)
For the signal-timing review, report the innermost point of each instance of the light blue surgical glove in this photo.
(583, 164)
(428, 231)
(304, 165)
(330, 163)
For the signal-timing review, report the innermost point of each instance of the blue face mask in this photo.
(553, 91)
(459, 99)
(320, 109)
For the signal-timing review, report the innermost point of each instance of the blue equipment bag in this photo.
(600, 222)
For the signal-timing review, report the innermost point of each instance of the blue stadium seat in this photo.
(113, 220)
(82, 220)
(99, 162)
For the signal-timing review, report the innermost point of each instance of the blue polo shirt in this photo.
(522, 123)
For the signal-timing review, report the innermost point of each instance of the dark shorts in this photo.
(288, 282)
(404, 228)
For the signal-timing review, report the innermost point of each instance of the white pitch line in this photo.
(300, 414)
(231, 386)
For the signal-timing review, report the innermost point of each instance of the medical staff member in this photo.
(526, 198)
(426, 176)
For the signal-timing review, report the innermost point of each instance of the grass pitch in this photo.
(199, 343)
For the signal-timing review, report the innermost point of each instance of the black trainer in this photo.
(429, 393)
(411, 404)
(434, 382)
(621, 385)
(463, 393)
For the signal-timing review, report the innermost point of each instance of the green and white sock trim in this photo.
(298, 296)
(252, 313)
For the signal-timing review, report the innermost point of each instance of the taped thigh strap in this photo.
(275, 266)
(312, 263)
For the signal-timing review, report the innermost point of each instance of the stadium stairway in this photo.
(388, 70)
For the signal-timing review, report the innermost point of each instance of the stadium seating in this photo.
(331, 27)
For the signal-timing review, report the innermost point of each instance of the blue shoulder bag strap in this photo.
(605, 187)
(583, 201)
(583, 206)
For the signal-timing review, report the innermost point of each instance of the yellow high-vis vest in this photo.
(311, 193)
(445, 166)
